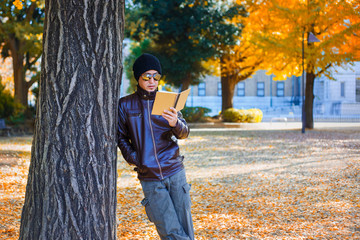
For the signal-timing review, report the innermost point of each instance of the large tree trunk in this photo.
(71, 189)
(228, 83)
(186, 82)
(227, 92)
(309, 100)
(21, 86)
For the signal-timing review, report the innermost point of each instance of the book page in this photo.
(182, 100)
(163, 101)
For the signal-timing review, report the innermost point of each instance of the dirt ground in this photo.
(274, 184)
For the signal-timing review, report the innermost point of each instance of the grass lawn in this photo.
(245, 185)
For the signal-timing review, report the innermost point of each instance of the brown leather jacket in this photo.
(147, 141)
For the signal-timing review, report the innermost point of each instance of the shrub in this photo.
(195, 114)
(240, 115)
(234, 115)
(255, 115)
(9, 108)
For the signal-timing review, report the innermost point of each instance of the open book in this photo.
(165, 100)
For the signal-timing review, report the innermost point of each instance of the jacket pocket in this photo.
(187, 200)
(186, 187)
(146, 203)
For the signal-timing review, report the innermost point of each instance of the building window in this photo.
(219, 89)
(280, 89)
(342, 89)
(260, 89)
(201, 89)
(240, 89)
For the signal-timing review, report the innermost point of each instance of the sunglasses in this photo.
(148, 76)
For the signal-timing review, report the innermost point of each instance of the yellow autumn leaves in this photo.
(245, 184)
(19, 3)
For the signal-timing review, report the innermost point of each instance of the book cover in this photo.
(165, 100)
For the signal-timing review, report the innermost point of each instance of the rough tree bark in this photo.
(71, 189)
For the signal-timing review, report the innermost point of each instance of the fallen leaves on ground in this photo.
(14, 165)
(245, 185)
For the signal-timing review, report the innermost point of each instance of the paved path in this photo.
(274, 126)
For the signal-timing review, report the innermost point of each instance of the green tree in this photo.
(136, 49)
(20, 39)
(183, 34)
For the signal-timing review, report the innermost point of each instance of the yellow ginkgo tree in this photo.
(240, 61)
(19, 4)
(281, 27)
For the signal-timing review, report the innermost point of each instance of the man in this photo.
(150, 143)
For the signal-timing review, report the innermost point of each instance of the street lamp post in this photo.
(311, 39)
(271, 79)
(303, 87)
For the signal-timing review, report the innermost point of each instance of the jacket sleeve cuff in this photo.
(180, 130)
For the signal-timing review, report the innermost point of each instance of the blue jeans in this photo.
(168, 205)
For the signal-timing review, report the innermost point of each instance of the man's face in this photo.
(150, 85)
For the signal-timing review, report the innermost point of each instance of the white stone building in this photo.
(339, 98)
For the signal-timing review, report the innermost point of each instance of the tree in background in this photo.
(183, 34)
(280, 26)
(136, 49)
(240, 61)
(20, 38)
(71, 187)
(353, 39)
(236, 66)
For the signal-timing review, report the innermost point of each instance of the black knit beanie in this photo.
(145, 63)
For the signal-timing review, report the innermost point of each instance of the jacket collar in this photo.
(145, 94)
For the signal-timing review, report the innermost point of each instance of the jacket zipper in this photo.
(153, 139)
